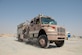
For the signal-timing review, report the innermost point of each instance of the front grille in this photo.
(60, 30)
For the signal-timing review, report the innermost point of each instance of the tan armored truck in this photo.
(44, 29)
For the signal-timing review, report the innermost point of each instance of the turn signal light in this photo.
(53, 27)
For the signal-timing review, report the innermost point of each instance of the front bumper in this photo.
(54, 37)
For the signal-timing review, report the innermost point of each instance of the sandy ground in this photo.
(10, 46)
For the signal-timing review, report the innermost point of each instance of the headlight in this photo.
(51, 29)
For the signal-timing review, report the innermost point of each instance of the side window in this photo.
(37, 21)
(31, 22)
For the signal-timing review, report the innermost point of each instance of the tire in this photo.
(59, 43)
(43, 41)
(19, 39)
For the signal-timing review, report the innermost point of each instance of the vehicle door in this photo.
(37, 27)
(31, 28)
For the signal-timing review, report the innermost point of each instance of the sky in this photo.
(67, 13)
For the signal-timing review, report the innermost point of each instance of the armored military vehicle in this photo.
(44, 29)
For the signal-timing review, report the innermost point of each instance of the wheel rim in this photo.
(42, 42)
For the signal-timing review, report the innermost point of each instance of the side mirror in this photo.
(56, 22)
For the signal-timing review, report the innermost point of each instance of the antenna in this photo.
(40, 14)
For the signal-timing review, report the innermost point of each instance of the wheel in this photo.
(43, 41)
(59, 43)
(19, 39)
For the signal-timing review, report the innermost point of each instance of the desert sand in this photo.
(10, 46)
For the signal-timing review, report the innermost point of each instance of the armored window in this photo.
(48, 21)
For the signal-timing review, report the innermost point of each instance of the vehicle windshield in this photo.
(48, 21)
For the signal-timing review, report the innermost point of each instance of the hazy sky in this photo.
(67, 13)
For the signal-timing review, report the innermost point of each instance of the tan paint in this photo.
(53, 31)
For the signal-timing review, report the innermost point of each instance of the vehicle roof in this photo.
(40, 15)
